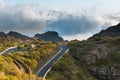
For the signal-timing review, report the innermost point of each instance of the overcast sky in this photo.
(73, 19)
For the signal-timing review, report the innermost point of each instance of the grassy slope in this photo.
(69, 69)
(70, 66)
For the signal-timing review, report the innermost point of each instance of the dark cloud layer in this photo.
(72, 25)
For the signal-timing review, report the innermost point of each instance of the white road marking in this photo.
(49, 61)
(8, 49)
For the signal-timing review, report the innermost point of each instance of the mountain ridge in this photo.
(113, 31)
(17, 35)
(47, 36)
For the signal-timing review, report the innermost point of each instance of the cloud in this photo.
(78, 37)
(72, 25)
(2, 4)
(20, 18)
(114, 17)
(76, 26)
(27, 19)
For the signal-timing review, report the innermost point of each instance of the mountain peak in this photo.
(50, 36)
(17, 35)
(52, 32)
(12, 32)
(2, 33)
(113, 31)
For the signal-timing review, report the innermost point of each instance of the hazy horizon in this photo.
(76, 19)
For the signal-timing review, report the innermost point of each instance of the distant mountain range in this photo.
(17, 35)
(113, 31)
(47, 36)
(14, 34)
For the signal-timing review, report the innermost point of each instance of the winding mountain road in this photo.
(46, 68)
(9, 50)
(42, 72)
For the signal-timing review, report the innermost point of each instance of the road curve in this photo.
(9, 50)
(46, 68)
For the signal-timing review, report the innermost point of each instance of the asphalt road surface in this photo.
(9, 50)
(46, 68)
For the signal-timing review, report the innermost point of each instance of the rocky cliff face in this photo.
(49, 36)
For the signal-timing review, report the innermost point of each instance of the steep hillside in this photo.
(89, 60)
(68, 68)
(97, 58)
(113, 31)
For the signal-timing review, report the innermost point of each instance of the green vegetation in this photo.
(84, 56)
(23, 64)
(96, 47)
(6, 42)
(69, 69)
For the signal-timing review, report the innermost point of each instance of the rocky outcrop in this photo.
(90, 57)
(101, 59)
(106, 72)
(49, 36)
